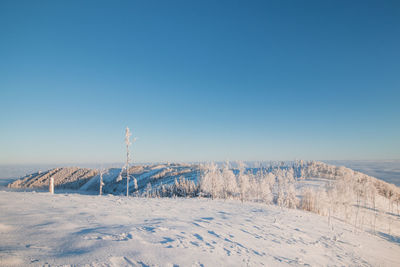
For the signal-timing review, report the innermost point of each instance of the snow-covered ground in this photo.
(359, 226)
(71, 229)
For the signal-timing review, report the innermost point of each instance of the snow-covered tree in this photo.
(135, 185)
(286, 196)
(101, 183)
(243, 182)
(51, 185)
(210, 182)
(230, 187)
(266, 192)
(127, 143)
(148, 190)
(126, 167)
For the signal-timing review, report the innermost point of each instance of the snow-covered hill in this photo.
(39, 229)
(67, 178)
(368, 205)
(84, 179)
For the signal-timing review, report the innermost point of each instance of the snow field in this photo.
(70, 229)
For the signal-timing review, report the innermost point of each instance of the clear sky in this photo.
(199, 80)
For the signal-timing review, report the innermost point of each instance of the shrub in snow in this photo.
(315, 201)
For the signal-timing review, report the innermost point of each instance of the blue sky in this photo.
(199, 80)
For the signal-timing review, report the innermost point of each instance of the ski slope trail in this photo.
(39, 229)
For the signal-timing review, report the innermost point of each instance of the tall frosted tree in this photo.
(101, 172)
(127, 143)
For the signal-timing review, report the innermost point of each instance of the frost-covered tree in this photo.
(286, 196)
(281, 187)
(230, 187)
(291, 200)
(126, 166)
(254, 190)
(135, 185)
(266, 192)
(180, 188)
(243, 182)
(51, 185)
(127, 143)
(308, 200)
(148, 190)
(372, 194)
(211, 182)
(101, 183)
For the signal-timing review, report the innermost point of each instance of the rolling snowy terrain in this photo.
(293, 213)
(70, 229)
(387, 170)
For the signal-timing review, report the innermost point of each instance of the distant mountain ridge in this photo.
(66, 178)
(86, 179)
(157, 175)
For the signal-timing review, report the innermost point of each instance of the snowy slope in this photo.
(84, 179)
(362, 201)
(387, 170)
(72, 229)
(66, 178)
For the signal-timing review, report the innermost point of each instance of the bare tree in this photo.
(101, 172)
(128, 143)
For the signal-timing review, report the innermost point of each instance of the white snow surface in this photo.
(39, 229)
